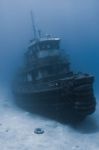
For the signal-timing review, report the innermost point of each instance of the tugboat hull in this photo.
(47, 84)
(74, 99)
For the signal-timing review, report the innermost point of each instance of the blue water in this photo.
(75, 22)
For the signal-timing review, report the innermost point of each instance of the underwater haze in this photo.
(76, 22)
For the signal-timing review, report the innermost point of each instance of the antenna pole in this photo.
(39, 32)
(33, 24)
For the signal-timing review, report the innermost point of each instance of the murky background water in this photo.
(77, 23)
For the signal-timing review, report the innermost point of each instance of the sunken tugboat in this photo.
(47, 83)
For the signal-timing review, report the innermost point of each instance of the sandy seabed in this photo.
(17, 130)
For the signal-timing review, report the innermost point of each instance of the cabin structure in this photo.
(45, 61)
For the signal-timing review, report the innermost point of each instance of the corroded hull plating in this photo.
(71, 96)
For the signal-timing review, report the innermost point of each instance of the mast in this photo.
(39, 33)
(33, 25)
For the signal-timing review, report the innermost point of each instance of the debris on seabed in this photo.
(77, 147)
(38, 131)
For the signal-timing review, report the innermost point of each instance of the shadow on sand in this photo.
(87, 126)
